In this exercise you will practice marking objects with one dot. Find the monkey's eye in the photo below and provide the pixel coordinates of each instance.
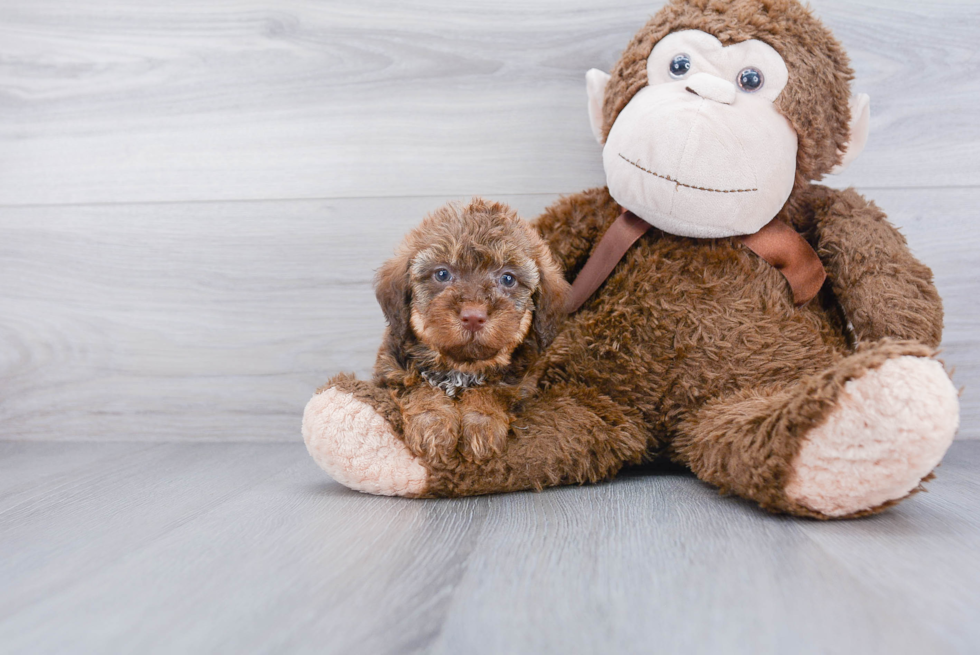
(443, 275)
(680, 66)
(750, 80)
(508, 280)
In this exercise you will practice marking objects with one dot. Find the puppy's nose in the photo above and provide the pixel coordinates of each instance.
(473, 318)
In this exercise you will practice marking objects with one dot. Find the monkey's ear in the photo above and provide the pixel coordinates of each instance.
(860, 126)
(393, 289)
(549, 298)
(595, 84)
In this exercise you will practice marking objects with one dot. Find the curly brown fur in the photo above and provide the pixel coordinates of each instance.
(472, 294)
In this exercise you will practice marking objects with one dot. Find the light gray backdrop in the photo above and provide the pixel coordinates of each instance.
(194, 196)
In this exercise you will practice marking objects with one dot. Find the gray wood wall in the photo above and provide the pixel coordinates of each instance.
(194, 195)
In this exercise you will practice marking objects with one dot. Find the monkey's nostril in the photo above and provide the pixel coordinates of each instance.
(473, 318)
(710, 87)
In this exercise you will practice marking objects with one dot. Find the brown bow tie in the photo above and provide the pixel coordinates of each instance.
(777, 243)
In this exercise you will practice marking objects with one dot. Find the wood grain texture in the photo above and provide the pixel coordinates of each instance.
(248, 548)
(216, 321)
(109, 101)
(207, 321)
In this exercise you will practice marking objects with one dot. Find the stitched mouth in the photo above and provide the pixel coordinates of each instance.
(689, 186)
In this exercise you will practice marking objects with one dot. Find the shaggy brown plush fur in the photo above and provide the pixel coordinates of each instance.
(471, 296)
(692, 349)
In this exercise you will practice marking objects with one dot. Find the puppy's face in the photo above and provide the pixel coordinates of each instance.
(479, 280)
(471, 300)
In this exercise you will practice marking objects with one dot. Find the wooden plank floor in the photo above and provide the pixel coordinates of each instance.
(248, 548)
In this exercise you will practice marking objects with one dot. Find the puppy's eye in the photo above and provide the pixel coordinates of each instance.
(508, 280)
(443, 275)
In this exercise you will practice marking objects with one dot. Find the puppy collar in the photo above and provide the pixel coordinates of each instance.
(453, 381)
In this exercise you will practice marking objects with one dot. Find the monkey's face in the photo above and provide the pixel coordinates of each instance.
(702, 150)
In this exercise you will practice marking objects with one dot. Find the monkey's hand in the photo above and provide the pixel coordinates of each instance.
(884, 290)
(352, 430)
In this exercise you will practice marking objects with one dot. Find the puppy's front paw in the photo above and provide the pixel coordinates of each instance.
(485, 423)
(484, 435)
(432, 433)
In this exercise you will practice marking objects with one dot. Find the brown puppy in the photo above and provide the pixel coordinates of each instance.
(472, 294)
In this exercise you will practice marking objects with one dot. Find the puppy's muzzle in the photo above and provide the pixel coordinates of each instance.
(473, 317)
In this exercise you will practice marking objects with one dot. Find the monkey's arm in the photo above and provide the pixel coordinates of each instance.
(573, 225)
(884, 290)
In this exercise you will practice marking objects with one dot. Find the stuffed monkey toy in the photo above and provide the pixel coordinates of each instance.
(775, 336)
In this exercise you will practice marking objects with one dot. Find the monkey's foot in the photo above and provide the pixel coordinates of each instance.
(357, 447)
(890, 429)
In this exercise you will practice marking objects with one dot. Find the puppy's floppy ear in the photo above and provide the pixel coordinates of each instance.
(550, 296)
(393, 289)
